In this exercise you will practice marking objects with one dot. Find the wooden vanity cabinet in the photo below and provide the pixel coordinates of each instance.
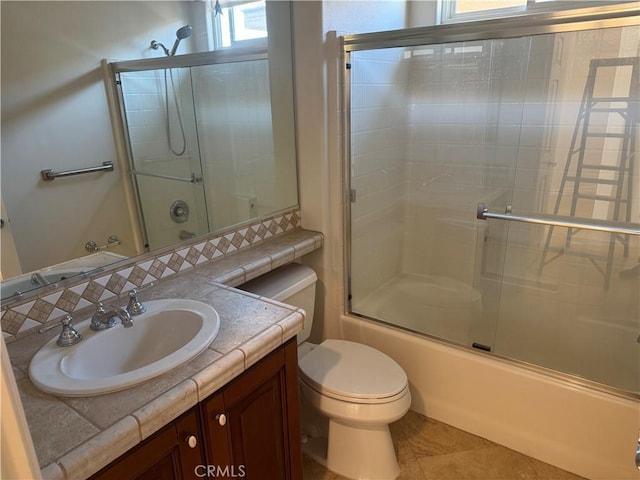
(249, 429)
(172, 453)
(252, 426)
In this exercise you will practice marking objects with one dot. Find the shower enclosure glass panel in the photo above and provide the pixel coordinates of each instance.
(436, 129)
(237, 141)
(160, 116)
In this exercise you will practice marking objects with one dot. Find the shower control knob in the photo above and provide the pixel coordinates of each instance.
(179, 211)
(222, 419)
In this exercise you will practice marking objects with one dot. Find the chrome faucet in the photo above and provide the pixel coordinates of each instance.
(123, 315)
(100, 322)
(103, 319)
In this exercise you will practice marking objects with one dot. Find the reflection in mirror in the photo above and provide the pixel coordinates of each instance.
(56, 115)
(201, 137)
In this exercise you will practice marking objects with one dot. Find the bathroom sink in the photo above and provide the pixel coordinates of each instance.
(169, 334)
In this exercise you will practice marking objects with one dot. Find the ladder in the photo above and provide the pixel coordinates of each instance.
(618, 176)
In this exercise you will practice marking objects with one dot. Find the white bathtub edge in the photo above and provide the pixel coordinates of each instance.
(584, 431)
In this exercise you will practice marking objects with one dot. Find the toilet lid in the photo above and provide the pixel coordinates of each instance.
(354, 370)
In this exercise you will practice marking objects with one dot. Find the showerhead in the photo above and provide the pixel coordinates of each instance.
(181, 34)
(184, 32)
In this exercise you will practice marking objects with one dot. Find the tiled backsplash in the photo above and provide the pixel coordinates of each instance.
(22, 317)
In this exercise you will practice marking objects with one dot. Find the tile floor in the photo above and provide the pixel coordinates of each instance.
(431, 450)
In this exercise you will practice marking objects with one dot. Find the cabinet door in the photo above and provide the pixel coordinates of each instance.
(168, 454)
(261, 440)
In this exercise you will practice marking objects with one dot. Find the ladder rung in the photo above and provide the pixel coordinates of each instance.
(606, 135)
(593, 180)
(610, 168)
(609, 110)
(604, 198)
(613, 62)
(611, 99)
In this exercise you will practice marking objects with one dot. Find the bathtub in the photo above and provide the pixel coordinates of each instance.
(438, 306)
(542, 414)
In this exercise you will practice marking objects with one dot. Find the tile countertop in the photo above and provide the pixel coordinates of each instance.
(75, 437)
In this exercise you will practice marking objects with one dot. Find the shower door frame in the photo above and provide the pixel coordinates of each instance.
(611, 16)
(114, 89)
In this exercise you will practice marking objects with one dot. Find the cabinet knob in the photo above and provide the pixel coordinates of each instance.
(191, 440)
(222, 419)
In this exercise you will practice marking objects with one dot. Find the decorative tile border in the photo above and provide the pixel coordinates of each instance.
(18, 319)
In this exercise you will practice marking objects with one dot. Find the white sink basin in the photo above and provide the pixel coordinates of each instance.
(168, 335)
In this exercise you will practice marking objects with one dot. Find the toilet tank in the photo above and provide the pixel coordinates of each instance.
(294, 284)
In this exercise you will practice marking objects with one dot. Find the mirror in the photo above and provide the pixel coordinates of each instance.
(56, 114)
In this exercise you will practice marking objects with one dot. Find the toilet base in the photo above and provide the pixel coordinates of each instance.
(316, 449)
(365, 452)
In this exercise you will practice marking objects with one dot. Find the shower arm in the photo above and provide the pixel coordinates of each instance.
(155, 45)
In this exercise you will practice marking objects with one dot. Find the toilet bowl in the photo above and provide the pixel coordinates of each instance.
(354, 389)
(361, 391)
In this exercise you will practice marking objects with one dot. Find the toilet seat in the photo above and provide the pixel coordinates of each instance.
(353, 372)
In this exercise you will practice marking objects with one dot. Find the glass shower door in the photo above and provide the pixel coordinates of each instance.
(434, 130)
(571, 296)
(519, 126)
(160, 116)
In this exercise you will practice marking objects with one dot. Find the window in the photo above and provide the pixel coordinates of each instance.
(237, 23)
(466, 6)
(466, 10)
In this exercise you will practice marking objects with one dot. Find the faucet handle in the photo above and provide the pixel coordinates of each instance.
(135, 307)
(69, 335)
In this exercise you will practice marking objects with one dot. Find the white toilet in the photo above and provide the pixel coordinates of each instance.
(358, 389)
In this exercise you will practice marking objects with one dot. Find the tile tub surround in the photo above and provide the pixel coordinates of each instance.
(75, 437)
(19, 318)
